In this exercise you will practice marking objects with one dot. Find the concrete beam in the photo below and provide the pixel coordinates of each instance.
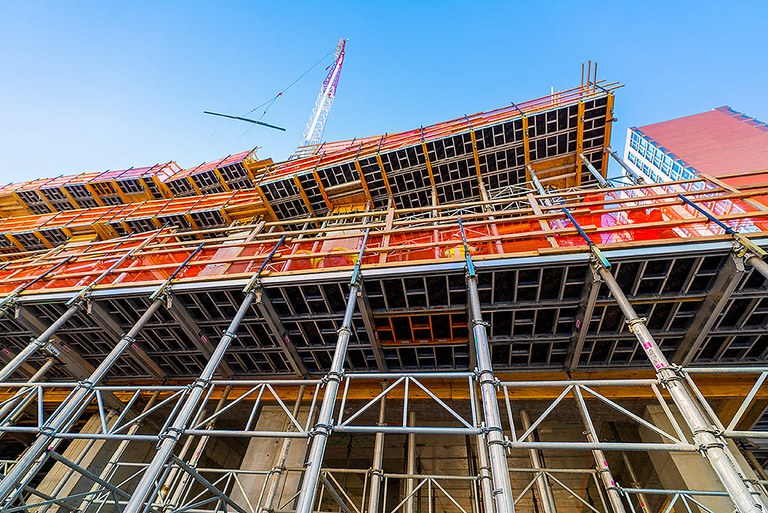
(75, 365)
(193, 331)
(726, 282)
(365, 309)
(583, 317)
(267, 311)
(104, 320)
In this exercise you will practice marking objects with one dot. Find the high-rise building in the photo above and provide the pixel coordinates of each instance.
(461, 318)
(720, 143)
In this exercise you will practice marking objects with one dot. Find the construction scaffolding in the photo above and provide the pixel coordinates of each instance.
(468, 317)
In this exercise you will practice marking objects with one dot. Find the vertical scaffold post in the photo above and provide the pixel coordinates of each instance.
(644, 508)
(708, 440)
(601, 462)
(502, 486)
(277, 472)
(62, 419)
(546, 498)
(324, 425)
(74, 305)
(484, 472)
(173, 432)
(377, 465)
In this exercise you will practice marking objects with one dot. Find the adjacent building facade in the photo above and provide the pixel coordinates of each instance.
(721, 143)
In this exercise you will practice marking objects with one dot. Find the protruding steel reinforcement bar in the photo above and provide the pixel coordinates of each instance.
(62, 419)
(324, 424)
(173, 432)
(502, 486)
(73, 306)
(710, 443)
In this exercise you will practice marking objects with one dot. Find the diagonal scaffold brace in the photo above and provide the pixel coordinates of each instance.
(709, 441)
(324, 425)
(74, 305)
(494, 436)
(173, 432)
(752, 254)
(67, 413)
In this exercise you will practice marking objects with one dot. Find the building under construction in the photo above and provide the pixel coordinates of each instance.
(467, 317)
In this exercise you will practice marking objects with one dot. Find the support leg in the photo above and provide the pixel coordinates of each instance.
(546, 498)
(377, 465)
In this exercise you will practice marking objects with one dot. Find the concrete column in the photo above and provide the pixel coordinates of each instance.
(263, 454)
(61, 481)
(682, 470)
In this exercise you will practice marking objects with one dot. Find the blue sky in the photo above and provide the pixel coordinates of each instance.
(89, 86)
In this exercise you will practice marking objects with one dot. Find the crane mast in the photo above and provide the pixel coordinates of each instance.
(313, 132)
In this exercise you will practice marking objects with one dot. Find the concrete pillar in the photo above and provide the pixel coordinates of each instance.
(682, 470)
(61, 481)
(263, 455)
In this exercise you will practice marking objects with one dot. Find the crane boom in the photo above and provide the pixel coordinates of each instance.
(313, 132)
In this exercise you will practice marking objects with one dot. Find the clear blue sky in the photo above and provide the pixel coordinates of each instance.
(89, 86)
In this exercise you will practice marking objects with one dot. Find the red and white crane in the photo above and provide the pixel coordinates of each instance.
(313, 132)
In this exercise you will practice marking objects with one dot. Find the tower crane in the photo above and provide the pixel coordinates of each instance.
(313, 132)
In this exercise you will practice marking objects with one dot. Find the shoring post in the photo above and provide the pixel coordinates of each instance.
(114, 462)
(601, 462)
(592, 169)
(709, 441)
(644, 508)
(173, 432)
(278, 470)
(324, 424)
(502, 486)
(66, 414)
(377, 465)
(631, 174)
(546, 498)
(752, 254)
(411, 469)
(484, 472)
(74, 305)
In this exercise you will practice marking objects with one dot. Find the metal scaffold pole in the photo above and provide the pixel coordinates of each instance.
(484, 472)
(708, 440)
(173, 432)
(601, 462)
(377, 465)
(60, 421)
(502, 486)
(324, 425)
(546, 498)
(74, 306)
(277, 472)
(644, 508)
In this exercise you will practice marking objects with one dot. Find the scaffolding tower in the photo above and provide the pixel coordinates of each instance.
(468, 317)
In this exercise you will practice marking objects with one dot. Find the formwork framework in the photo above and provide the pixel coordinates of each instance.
(494, 319)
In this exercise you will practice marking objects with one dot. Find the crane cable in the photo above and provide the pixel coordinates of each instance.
(269, 103)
